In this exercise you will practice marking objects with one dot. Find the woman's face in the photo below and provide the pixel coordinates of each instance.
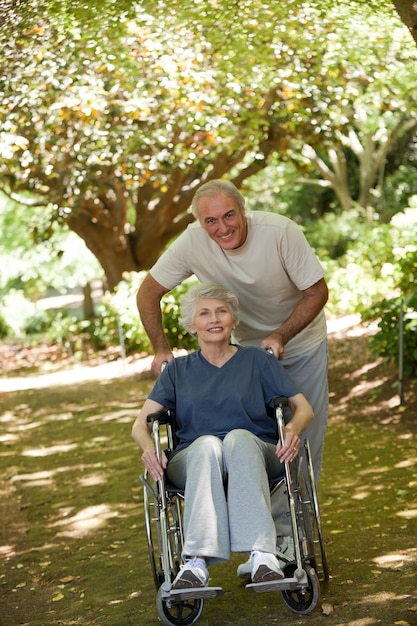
(213, 321)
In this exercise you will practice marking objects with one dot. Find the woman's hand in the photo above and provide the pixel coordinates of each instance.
(290, 449)
(150, 461)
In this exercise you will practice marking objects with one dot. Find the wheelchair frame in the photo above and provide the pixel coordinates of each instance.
(163, 506)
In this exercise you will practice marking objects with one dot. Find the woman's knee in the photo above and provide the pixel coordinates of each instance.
(205, 448)
(242, 444)
(240, 437)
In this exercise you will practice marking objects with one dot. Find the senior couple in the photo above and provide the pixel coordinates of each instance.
(219, 393)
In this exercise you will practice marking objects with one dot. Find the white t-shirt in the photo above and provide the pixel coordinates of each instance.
(267, 273)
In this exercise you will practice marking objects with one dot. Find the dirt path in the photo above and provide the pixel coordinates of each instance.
(72, 542)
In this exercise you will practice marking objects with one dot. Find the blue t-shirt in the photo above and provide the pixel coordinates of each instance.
(213, 401)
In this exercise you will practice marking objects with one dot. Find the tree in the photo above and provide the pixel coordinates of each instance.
(113, 114)
(407, 10)
(368, 119)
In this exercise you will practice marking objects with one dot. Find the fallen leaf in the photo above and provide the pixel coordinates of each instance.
(327, 608)
(67, 579)
(58, 597)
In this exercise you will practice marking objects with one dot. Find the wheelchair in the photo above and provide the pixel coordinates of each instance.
(163, 507)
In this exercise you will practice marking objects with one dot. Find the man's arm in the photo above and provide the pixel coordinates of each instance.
(149, 305)
(313, 300)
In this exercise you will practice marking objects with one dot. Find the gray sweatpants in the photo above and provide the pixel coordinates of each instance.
(309, 372)
(227, 504)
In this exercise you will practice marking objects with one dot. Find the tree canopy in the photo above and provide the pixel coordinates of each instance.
(112, 113)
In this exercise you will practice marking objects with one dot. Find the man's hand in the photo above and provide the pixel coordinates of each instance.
(274, 343)
(159, 360)
(307, 308)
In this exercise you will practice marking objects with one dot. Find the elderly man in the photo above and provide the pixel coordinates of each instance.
(265, 259)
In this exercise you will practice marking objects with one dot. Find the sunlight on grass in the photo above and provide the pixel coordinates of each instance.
(85, 521)
(396, 559)
(38, 479)
(406, 463)
(366, 621)
(408, 513)
(361, 495)
(365, 386)
(93, 479)
(7, 551)
(365, 369)
(384, 596)
(8, 438)
(38, 452)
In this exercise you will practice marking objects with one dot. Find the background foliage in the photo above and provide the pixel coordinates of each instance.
(113, 113)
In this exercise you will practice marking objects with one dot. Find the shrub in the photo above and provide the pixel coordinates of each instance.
(37, 323)
(387, 311)
(4, 327)
(176, 335)
(386, 342)
(117, 321)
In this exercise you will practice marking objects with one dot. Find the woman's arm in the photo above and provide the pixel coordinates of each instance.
(141, 433)
(302, 417)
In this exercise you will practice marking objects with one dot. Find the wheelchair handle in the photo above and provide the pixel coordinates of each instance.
(280, 402)
(163, 417)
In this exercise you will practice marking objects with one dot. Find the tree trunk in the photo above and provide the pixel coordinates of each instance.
(407, 10)
(88, 304)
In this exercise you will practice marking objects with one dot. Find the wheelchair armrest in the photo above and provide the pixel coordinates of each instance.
(280, 402)
(163, 416)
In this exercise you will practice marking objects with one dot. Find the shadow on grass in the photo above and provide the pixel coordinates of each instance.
(73, 546)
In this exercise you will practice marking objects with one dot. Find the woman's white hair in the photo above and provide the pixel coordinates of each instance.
(214, 188)
(206, 290)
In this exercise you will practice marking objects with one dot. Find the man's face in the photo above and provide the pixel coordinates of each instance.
(224, 222)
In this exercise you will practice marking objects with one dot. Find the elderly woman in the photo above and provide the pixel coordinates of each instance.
(227, 451)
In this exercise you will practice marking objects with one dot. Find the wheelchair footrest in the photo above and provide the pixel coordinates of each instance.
(194, 593)
(285, 584)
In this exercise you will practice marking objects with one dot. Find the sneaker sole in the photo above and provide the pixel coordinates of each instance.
(265, 574)
(188, 580)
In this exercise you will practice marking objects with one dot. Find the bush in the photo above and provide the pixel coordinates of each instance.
(387, 311)
(176, 335)
(333, 234)
(386, 342)
(4, 328)
(119, 315)
(37, 323)
(117, 322)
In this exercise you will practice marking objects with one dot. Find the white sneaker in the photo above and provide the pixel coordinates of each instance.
(264, 567)
(244, 570)
(191, 575)
(285, 550)
(285, 554)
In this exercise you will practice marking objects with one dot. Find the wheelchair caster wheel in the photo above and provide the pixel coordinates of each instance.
(302, 600)
(178, 612)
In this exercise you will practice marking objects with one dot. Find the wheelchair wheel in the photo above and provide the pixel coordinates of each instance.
(315, 552)
(302, 601)
(178, 613)
(172, 533)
